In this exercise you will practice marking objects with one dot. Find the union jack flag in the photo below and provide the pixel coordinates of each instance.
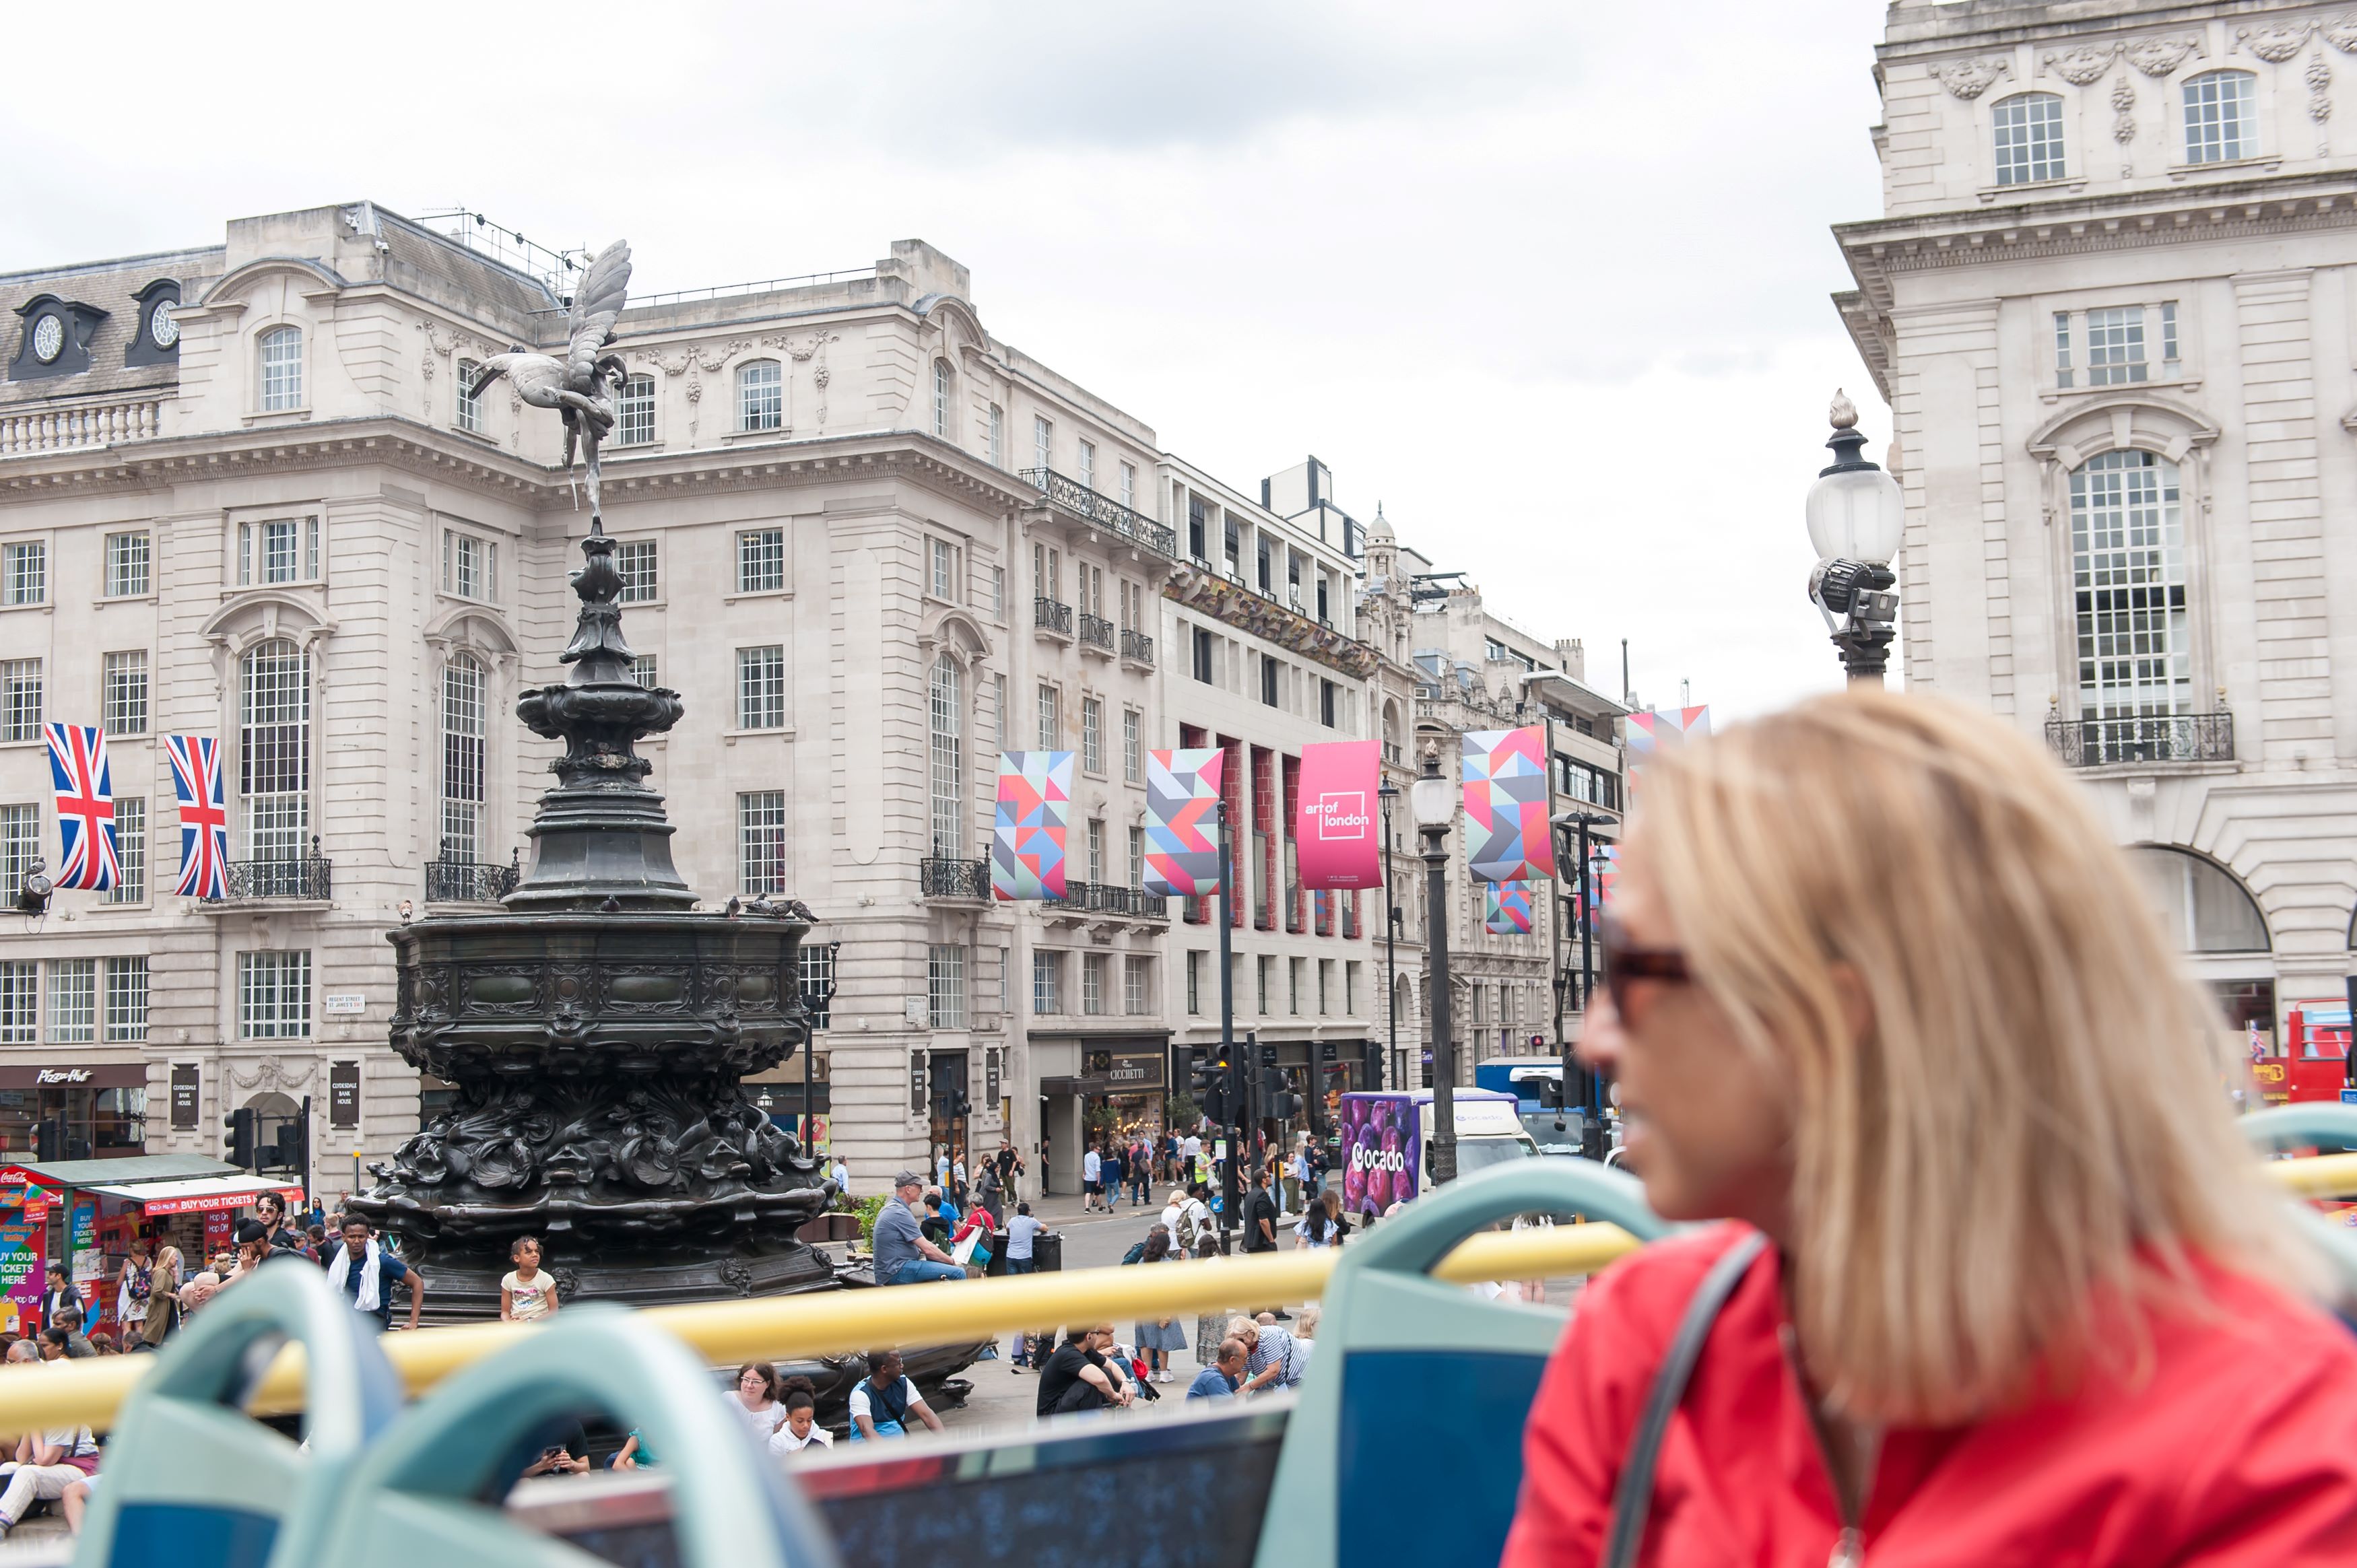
(204, 823)
(85, 807)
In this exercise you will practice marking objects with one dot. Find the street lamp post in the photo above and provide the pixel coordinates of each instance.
(1432, 801)
(1387, 794)
(1857, 518)
(1591, 1095)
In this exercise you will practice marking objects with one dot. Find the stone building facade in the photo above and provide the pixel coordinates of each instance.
(2111, 299)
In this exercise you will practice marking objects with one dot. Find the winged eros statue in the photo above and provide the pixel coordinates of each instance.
(581, 385)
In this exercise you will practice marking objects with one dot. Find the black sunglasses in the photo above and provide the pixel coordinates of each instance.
(1626, 964)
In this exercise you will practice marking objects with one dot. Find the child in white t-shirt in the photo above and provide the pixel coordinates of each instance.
(527, 1292)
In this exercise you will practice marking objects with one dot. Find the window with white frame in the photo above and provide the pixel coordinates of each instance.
(470, 414)
(2127, 549)
(761, 687)
(463, 758)
(1133, 746)
(643, 670)
(762, 841)
(635, 562)
(944, 580)
(946, 986)
(1136, 973)
(1137, 860)
(1096, 849)
(131, 846)
(997, 437)
(20, 699)
(281, 550)
(281, 348)
(998, 593)
(1046, 981)
(1093, 984)
(634, 411)
(126, 566)
(948, 759)
(761, 561)
(274, 750)
(471, 567)
(1294, 972)
(760, 396)
(2112, 346)
(2220, 117)
(20, 843)
(814, 974)
(998, 715)
(1089, 465)
(274, 995)
(20, 1002)
(1092, 735)
(123, 705)
(2115, 347)
(1129, 486)
(126, 1000)
(942, 399)
(1051, 717)
(25, 572)
(73, 1001)
(2028, 138)
(1043, 442)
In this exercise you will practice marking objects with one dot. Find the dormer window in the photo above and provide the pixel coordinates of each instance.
(2028, 138)
(156, 338)
(2222, 117)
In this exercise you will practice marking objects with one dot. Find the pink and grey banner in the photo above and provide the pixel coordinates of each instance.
(1672, 726)
(1335, 832)
(1508, 837)
(1507, 910)
(1182, 821)
(1035, 804)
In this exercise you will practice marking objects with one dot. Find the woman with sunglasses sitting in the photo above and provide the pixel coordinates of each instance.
(2000, 1281)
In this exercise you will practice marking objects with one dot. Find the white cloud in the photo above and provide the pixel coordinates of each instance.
(1548, 281)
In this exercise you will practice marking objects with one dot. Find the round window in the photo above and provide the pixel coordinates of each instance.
(49, 339)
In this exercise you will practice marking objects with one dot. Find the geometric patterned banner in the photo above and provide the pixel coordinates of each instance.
(1651, 732)
(85, 807)
(1507, 835)
(1035, 802)
(1508, 909)
(1182, 821)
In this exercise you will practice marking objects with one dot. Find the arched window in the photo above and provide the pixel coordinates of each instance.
(2222, 117)
(2127, 566)
(948, 762)
(2204, 908)
(760, 396)
(462, 758)
(274, 750)
(942, 399)
(469, 415)
(634, 424)
(282, 369)
(2028, 138)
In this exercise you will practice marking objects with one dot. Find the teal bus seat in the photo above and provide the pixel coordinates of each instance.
(429, 1494)
(1360, 1478)
(2328, 1128)
(190, 1479)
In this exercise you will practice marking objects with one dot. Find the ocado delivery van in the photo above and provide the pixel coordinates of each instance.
(1386, 1142)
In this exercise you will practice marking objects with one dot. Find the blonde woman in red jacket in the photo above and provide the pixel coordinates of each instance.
(1882, 995)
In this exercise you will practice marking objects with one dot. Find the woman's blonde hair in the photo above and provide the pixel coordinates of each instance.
(2034, 1123)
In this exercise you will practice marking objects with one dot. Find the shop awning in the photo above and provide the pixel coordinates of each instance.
(142, 1169)
(197, 1197)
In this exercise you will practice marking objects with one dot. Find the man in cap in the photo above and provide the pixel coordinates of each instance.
(903, 1256)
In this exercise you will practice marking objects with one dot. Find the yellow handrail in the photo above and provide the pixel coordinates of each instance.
(90, 1391)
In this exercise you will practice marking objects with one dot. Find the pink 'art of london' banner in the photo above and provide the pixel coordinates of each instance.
(1337, 833)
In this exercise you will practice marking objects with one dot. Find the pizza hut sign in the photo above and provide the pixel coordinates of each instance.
(62, 1075)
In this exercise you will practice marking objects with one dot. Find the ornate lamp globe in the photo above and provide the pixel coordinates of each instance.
(1856, 512)
(1432, 800)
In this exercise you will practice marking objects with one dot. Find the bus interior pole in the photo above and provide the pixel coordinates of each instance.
(1228, 1196)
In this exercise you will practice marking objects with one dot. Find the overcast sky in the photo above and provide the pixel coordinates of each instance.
(1548, 281)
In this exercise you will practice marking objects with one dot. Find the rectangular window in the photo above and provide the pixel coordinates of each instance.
(2127, 542)
(997, 437)
(126, 566)
(762, 841)
(20, 699)
(1133, 746)
(634, 421)
(274, 995)
(1135, 988)
(2168, 339)
(761, 687)
(998, 592)
(1092, 735)
(1129, 486)
(26, 574)
(1263, 971)
(286, 550)
(20, 841)
(2062, 347)
(635, 562)
(1194, 982)
(945, 985)
(1328, 699)
(2115, 346)
(131, 840)
(2028, 138)
(1137, 860)
(126, 1000)
(282, 370)
(998, 711)
(1051, 722)
(125, 702)
(642, 670)
(945, 569)
(471, 567)
(1202, 655)
(1296, 971)
(1046, 973)
(1351, 987)
(1096, 840)
(761, 561)
(1093, 984)
(761, 396)
(1043, 443)
(469, 416)
(73, 1001)
(815, 972)
(1089, 465)
(942, 399)
(2220, 117)
(1268, 677)
(20, 1002)
(1325, 982)
(1195, 526)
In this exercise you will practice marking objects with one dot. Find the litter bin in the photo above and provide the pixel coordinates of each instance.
(1048, 1253)
(997, 1264)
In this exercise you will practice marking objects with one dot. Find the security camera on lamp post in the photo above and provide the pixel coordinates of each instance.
(1856, 519)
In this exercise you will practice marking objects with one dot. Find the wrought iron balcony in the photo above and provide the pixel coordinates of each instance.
(1096, 631)
(2150, 737)
(468, 881)
(294, 877)
(1136, 645)
(1047, 614)
(1112, 898)
(943, 879)
(1084, 503)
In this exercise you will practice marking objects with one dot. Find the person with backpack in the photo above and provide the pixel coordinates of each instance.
(883, 1401)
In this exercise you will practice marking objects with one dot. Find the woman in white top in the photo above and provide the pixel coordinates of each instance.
(757, 1398)
(801, 1429)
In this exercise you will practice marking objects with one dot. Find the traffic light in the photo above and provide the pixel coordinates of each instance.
(238, 1147)
(288, 1152)
(50, 1140)
(1210, 1082)
(1239, 1086)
